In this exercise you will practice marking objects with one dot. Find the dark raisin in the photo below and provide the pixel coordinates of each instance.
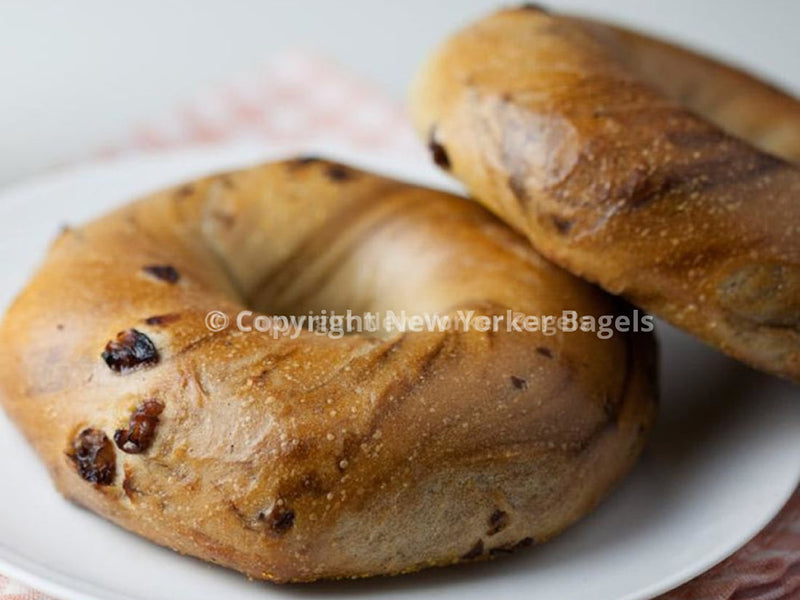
(509, 548)
(185, 190)
(338, 172)
(545, 351)
(127, 484)
(534, 6)
(519, 382)
(438, 152)
(563, 226)
(279, 519)
(302, 161)
(131, 350)
(94, 456)
(498, 521)
(227, 181)
(166, 273)
(162, 319)
(474, 552)
(523, 543)
(141, 428)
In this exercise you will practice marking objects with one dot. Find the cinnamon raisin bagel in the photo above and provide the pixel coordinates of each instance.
(661, 175)
(301, 457)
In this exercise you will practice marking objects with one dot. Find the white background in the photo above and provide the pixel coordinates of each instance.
(75, 75)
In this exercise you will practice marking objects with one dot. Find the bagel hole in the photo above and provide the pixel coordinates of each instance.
(401, 261)
(398, 277)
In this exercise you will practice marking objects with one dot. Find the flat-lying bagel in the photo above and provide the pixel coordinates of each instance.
(618, 156)
(297, 459)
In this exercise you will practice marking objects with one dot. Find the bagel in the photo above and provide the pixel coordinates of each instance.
(661, 175)
(298, 458)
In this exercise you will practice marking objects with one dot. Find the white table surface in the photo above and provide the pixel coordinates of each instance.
(77, 75)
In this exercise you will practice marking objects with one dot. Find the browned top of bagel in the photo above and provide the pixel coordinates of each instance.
(295, 459)
(662, 175)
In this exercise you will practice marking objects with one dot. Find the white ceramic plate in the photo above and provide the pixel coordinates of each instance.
(723, 460)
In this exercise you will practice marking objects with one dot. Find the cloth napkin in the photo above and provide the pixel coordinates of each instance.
(300, 100)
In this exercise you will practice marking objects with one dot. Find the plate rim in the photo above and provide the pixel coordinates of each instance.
(56, 583)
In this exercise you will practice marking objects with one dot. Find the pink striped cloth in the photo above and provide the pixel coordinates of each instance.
(300, 100)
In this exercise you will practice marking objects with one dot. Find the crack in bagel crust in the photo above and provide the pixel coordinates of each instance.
(299, 458)
(661, 175)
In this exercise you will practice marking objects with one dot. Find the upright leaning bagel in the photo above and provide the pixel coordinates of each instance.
(662, 175)
(296, 459)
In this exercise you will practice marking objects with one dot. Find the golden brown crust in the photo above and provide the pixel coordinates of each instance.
(589, 139)
(296, 459)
